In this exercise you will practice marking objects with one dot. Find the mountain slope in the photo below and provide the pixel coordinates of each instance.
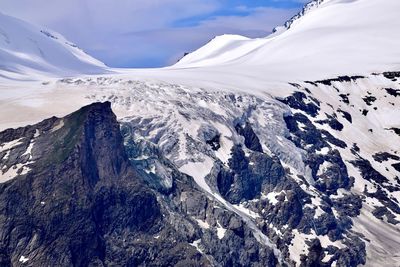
(333, 38)
(26, 51)
(71, 195)
(311, 172)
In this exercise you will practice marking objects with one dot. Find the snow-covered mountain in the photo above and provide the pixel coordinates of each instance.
(328, 38)
(278, 151)
(27, 51)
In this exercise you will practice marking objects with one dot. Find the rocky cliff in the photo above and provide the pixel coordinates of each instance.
(71, 197)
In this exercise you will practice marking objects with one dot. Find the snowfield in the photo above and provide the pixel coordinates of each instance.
(30, 53)
(334, 38)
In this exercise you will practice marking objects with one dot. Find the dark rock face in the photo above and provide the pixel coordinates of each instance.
(309, 135)
(334, 177)
(211, 136)
(250, 138)
(332, 122)
(339, 79)
(243, 181)
(395, 130)
(315, 255)
(346, 115)
(392, 75)
(80, 190)
(329, 174)
(298, 101)
(396, 166)
(368, 172)
(345, 98)
(393, 92)
(369, 100)
(384, 156)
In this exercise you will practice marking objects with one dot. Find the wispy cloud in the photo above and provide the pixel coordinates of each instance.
(148, 33)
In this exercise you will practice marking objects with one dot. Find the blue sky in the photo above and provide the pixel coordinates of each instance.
(150, 33)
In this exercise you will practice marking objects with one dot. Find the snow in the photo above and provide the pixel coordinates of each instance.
(151, 169)
(224, 152)
(29, 149)
(37, 133)
(203, 224)
(323, 167)
(327, 257)
(325, 242)
(298, 246)
(301, 126)
(220, 231)
(348, 34)
(382, 240)
(196, 244)
(58, 126)
(246, 211)
(23, 259)
(27, 51)
(339, 32)
(9, 145)
(315, 204)
(276, 230)
(19, 168)
(323, 151)
(272, 197)
(12, 172)
(199, 170)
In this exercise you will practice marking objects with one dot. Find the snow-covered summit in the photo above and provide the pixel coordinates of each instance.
(328, 38)
(305, 10)
(27, 51)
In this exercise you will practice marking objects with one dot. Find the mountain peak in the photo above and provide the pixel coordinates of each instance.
(314, 4)
(326, 39)
(29, 52)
